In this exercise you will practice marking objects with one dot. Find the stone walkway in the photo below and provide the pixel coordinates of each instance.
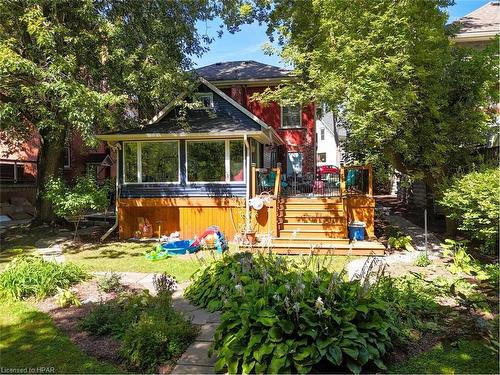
(50, 248)
(195, 359)
(355, 267)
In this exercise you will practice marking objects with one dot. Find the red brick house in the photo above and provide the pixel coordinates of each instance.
(240, 80)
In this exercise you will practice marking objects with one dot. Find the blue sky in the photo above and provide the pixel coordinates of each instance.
(246, 44)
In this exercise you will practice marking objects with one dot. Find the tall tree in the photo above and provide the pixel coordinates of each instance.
(407, 93)
(83, 66)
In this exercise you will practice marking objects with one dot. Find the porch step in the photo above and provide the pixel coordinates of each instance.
(318, 234)
(322, 226)
(295, 248)
(300, 220)
(331, 211)
(313, 200)
(313, 240)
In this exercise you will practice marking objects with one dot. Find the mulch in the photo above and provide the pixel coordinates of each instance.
(103, 348)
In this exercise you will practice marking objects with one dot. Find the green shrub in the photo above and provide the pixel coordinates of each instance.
(73, 202)
(284, 317)
(66, 298)
(28, 276)
(472, 202)
(423, 260)
(110, 283)
(401, 242)
(115, 316)
(154, 340)
(150, 330)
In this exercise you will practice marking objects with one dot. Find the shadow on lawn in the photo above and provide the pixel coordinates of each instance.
(32, 341)
(111, 251)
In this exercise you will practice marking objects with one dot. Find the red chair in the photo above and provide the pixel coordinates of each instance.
(319, 187)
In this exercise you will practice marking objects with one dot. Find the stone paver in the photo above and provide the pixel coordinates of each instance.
(197, 354)
(207, 332)
(192, 369)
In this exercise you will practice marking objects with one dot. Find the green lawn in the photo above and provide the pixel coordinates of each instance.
(129, 256)
(467, 357)
(29, 339)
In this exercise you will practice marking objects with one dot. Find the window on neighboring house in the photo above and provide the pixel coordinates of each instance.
(67, 157)
(147, 162)
(291, 116)
(322, 134)
(322, 157)
(205, 98)
(93, 170)
(215, 161)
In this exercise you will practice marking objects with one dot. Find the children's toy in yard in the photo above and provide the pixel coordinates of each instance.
(213, 237)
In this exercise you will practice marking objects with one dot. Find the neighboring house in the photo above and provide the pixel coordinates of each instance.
(328, 137)
(479, 27)
(18, 169)
(191, 168)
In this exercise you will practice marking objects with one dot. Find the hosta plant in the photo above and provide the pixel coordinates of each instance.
(290, 319)
(66, 298)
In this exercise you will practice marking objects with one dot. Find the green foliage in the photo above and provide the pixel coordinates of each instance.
(295, 319)
(150, 330)
(164, 283)
(463, 262)
(391, 73)
(463, 357)
(110, 282)
(423, 260)
(31, 276)
(401, 242)
(472, 202)
(74, 202)
(66, 298)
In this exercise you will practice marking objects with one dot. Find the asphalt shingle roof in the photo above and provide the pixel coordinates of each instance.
(482, 20)
(241, 70)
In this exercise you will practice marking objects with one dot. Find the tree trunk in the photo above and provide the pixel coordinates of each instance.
(50, 163)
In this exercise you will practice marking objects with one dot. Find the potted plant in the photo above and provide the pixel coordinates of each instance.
(248, 227)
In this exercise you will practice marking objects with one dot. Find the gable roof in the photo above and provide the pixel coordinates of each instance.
(229, 119)
(482, 22)
(248, 70)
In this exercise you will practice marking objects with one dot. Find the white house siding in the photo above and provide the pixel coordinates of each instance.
(330, 145)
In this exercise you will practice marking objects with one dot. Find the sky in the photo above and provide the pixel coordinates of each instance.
(247, 44)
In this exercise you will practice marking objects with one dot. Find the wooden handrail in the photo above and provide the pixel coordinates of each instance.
(342, 181)
(277, 181)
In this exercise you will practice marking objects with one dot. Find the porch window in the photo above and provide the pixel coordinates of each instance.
(130, 162)
(215, 161)
(206, 161)
(291, 116)
(160, 161)
(236, 160)
(149, 162)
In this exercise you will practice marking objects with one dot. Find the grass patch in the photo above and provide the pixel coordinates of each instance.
(29, 339)
(467, 357)
(129, 257)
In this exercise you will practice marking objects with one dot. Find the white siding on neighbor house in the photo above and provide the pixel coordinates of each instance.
(329, 145)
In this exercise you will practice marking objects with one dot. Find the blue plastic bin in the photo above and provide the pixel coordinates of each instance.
(357, 231)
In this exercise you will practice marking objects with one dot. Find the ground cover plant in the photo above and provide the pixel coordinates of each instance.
(31, 276)
(150, 330)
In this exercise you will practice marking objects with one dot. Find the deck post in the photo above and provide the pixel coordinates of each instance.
(277, 181)
(342, 181)
(370, 181)
(253, 179)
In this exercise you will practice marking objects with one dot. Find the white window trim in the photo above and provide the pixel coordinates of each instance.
(290, 127)
(227, 162)
(210, 95)
(139, 164)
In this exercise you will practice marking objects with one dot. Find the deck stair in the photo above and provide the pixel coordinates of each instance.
(316, 226)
